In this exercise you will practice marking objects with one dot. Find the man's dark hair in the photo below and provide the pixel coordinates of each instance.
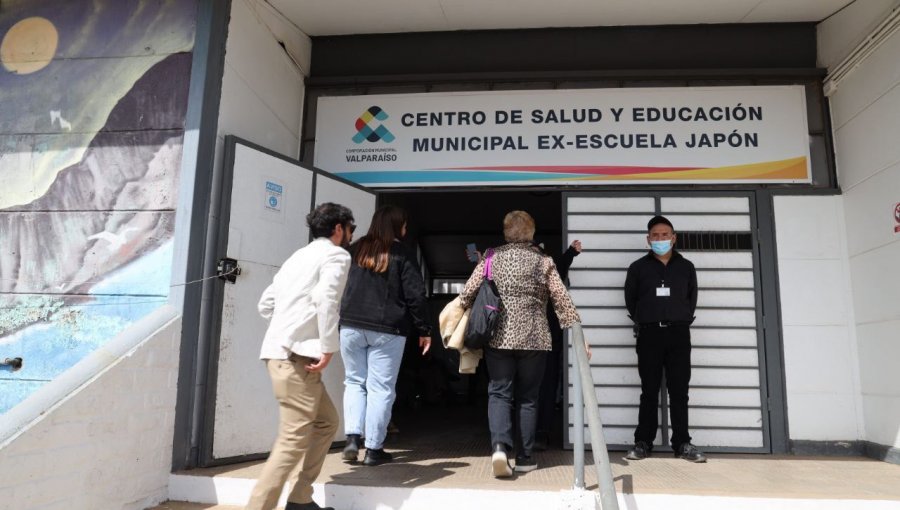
(325, 217)
(656, 220)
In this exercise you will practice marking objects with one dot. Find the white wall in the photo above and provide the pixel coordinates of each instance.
(107, 444)
(262, 102)
(817, 312)
(842, 32)
(262, 88)
(866, 123)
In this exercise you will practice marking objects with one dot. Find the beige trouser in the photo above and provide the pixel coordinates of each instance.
(308, 422)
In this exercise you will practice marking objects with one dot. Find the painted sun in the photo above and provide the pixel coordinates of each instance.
(29, 45)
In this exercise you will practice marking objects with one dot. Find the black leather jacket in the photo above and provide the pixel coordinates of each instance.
(390, 302)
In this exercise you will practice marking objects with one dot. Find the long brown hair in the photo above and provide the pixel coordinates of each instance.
(374, 250)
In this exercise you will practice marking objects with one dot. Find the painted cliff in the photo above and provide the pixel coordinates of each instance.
(93, 96)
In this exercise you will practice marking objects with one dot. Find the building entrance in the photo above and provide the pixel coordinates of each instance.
(717, 231)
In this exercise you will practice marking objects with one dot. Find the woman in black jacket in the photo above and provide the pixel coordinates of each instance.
(383, 302)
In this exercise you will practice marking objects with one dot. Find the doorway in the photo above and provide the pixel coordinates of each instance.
(434, 401)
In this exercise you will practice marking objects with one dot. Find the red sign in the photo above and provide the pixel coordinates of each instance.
(897, 219)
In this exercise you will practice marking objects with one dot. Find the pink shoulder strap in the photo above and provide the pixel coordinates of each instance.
(488, 263)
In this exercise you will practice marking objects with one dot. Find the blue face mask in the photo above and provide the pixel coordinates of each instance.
(661, 247)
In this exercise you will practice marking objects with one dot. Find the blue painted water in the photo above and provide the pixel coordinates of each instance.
(50, 348)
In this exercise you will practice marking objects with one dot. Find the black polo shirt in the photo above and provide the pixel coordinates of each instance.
(647, 274)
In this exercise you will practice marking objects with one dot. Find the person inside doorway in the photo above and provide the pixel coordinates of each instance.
(302, 306)
(384, 301)
(515, 356)
(661, 297)
(551, 381)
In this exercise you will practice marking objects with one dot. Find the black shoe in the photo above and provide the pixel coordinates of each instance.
(377, 457)
(306, 506)
(500, 462)
(525, 464)
(690, 453)
(641, 450)
(351, 451)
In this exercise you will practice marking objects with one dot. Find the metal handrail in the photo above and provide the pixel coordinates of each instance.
(586, 398)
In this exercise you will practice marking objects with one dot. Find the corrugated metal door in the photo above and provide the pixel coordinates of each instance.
(718, 234)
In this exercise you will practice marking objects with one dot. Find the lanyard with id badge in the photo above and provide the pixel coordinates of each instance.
(663, 291)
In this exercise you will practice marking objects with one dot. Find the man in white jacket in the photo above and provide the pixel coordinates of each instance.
(302, 305)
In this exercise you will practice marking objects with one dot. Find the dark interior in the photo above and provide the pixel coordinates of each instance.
(441, 224)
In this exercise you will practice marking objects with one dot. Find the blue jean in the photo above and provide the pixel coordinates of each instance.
(371, 365)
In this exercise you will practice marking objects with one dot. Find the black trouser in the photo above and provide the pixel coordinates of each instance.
(550, 383)
(515, 376)
(669, 349)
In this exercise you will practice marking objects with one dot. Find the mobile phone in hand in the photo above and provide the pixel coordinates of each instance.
(472, 252)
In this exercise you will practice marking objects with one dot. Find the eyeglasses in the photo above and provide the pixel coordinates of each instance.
(351, 227)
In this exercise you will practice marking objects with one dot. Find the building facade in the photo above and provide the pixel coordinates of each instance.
(122, 124)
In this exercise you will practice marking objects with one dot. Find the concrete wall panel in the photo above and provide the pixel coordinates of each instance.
(866, 109)
(816, 312)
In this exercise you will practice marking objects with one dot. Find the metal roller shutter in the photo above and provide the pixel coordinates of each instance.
(717, 233)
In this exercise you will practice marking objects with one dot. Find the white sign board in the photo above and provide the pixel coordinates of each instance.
(572, 137)
(274, 192)
(273, 199)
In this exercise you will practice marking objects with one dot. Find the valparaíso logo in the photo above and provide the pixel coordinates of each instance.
(365, 132)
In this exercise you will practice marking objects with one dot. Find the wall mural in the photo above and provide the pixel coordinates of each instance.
(93, 95)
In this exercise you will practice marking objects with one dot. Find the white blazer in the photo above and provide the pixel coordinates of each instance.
(303, 302)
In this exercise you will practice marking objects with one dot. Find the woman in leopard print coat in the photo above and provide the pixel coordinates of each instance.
(525, 278)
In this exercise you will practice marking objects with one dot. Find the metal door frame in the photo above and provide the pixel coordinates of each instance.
(768, 329)
(217, 295)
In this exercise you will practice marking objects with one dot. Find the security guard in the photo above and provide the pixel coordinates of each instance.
(661, 296)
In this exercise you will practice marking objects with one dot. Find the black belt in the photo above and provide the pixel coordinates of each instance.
(662, 324)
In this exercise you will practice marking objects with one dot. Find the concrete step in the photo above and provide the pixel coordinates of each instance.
(450, 470)
(181, 505)
(733, 482)
(364, 498)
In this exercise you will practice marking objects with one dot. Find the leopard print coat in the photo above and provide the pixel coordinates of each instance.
(525, 278)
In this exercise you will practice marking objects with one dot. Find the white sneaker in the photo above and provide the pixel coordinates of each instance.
(500, 464)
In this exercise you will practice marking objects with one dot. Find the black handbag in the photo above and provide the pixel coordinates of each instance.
(485, 315)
